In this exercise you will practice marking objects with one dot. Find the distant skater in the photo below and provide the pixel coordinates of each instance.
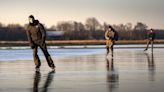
(36, 36)
(151, 37)
(111, 36)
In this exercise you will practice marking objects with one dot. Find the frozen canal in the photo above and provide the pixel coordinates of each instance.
(83, 70)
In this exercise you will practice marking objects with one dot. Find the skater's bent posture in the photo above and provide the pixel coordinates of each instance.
(151, 37)
(111, 36)
(36, 36)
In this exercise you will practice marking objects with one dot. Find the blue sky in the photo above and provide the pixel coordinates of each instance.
(50, 12)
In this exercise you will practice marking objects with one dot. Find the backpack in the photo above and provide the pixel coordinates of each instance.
(116, 36)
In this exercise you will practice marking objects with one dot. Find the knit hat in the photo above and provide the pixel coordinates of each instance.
(31, 16)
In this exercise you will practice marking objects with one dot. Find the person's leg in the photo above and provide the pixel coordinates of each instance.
(36, 57)
(48, 57)
(152, 42)
(112, 45)
(147, 46)
(107, 46)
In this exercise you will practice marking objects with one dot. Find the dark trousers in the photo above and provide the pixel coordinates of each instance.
(46, 54)
(148, 42)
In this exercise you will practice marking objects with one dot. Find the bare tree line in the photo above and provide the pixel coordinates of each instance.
(92, 29)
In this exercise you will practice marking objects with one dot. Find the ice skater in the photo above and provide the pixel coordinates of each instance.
(36, 36)
(151, 37)
(111, 36)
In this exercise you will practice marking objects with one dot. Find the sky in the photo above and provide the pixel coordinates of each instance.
(50, 12)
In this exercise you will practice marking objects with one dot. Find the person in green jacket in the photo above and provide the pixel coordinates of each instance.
(36, 36)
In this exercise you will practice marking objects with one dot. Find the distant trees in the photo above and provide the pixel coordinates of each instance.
(140, 31)
(140, 26)
(73, 30)
(1, 25)
(127, 32)
(12, 32)
(92, 24)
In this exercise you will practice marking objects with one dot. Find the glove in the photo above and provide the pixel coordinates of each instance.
(32, 46)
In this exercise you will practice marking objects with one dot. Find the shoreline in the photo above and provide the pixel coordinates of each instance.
(77, 42)
(128, 46)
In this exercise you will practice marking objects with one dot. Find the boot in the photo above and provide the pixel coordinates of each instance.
(145, 49)
(51, 64)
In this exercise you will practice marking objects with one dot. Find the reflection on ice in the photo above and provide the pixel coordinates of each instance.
(112, 75)
(151, 66)
(37, 79)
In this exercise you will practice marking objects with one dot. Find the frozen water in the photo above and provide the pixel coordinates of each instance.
(83, 70)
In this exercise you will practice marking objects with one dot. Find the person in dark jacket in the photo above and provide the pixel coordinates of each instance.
(111, 36)
(36, 36)
(151, 37)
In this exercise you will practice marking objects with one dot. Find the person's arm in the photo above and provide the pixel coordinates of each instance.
(113, 37)
(154, 36)
(43, 31)
(116, 36)
(106, 35)
(29, 38)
